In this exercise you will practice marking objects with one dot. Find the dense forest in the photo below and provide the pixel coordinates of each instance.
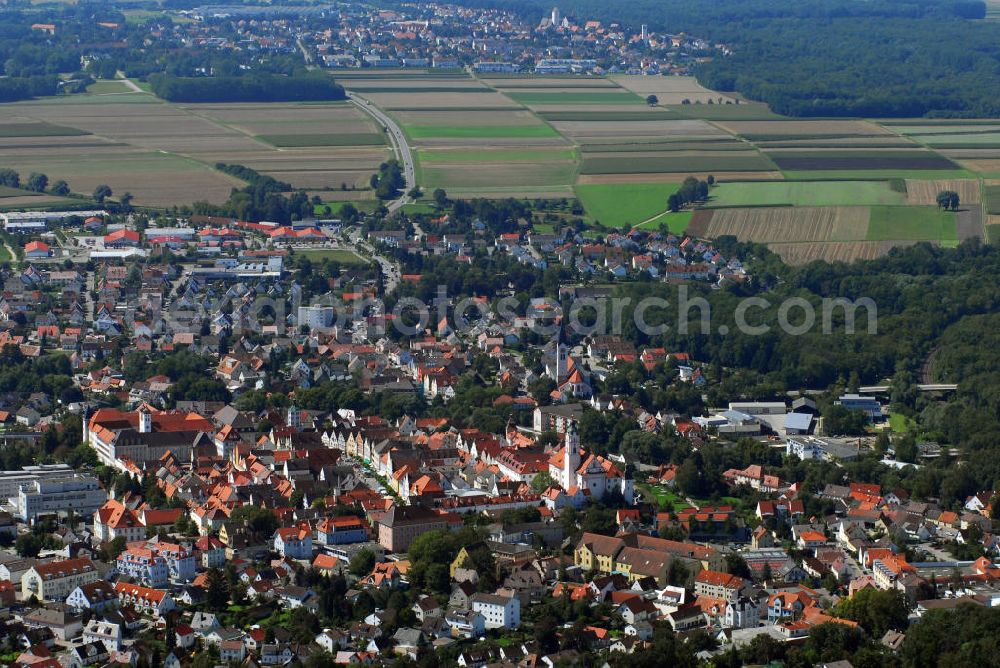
(256, 87)
(839, 58)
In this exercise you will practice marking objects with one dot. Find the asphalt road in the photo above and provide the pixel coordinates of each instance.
(399, 145)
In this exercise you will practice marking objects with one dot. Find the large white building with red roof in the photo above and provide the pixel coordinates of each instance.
(574, 469)
(144, 436)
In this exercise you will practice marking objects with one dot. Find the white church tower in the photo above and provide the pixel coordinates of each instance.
(145, 420)
(571, 457)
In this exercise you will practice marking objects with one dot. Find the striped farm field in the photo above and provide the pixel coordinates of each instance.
(613, 96)
(37, 129)
(480, 131)
(494, 155)
(926, 192)
(834, 251)
(325, 139)
(798, 128)
(728, 161)
(726, 112)
(786, 224)
(991, 197)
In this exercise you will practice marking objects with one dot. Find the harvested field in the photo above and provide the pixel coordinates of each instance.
(650, 128)
(495, 155)
(991, 197)
(984, 166)
(818, 128)
(746, 111)
(304, 140)
(926, 192)
(911, 161)
(466, 118)
(728, 161)
(720, 177)
(154, 178)
(969, 223)
(324, 178)
(628, 145)
(970, 153)
(414, 84)
(834, 251)
(887, 141)
(484, 175)
(27, 201)
(700, 221)
(596, 97)
(480, 131)
(546, 81)
(452, 101)
(944, 129)
(770, 225)
(669, 90)
(14, 128)
(648, 114)
(556, 141)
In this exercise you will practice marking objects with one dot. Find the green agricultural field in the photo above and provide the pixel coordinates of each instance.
(971, 140)
(993, 234)
(41, 129)
(911, 223)
(364, 206)
(340, 256)
(677, 222)
(900, 424)
(326, 139)
(615, 97)
(481, 131)
(6, 191)
(617, 204)
(419, 208)
(991, 198)
(497, 155)
(805, 193)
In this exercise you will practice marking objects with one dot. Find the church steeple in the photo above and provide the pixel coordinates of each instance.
(571, 456)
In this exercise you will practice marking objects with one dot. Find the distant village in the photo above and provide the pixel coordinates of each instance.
(442, 36)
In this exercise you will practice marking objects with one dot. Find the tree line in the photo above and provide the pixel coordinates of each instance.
(253, 87)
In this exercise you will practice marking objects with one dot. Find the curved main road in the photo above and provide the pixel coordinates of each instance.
(399, 145)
